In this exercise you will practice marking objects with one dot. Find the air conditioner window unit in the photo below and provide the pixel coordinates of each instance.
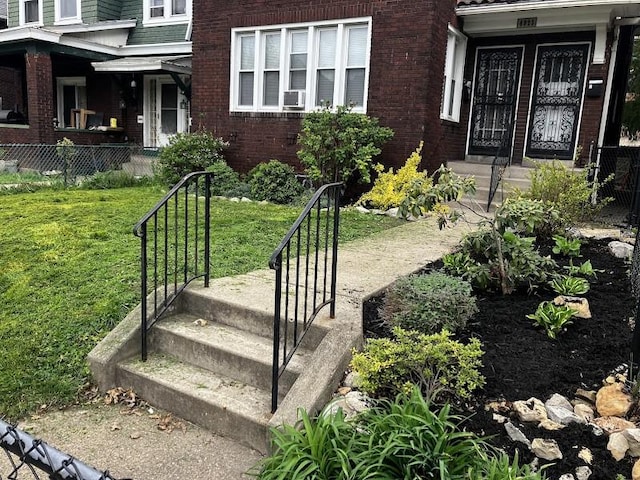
(294, 99)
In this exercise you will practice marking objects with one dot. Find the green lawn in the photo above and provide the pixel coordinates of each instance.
(69, 273)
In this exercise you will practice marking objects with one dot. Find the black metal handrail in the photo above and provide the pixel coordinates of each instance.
(175, 236)
(26, 453)
(311, 252)
(500, 163)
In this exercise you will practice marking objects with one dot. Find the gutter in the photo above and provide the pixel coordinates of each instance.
(470, 10)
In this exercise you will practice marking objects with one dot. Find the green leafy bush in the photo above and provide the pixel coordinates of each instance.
(527, 216)
(275, 182)
(552, 318)
(569, 191)
(566, 285)
(443, 368)
(428, 303)
(114, 179)
(189, 152)
(585, 269)
(569, 247)
(335, 145)
(391, 188)
(402, 439)
(225, 179)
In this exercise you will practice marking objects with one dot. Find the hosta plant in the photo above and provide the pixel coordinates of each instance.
(585, 269)
(566, 285)
(552, 318)
(569, 247)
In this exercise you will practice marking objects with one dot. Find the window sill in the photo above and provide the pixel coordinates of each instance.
(160, 22)
(90, 130)
(14, 125)
(240, 114)
(68, 21)
(450, 122)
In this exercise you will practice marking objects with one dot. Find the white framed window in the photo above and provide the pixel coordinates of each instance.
(71, 95)
(453, 75)
(67, 11)
(30, 12)
(300, 67)
(166, 11)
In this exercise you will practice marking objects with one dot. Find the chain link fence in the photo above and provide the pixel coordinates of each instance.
(29, 458)
(69, 163)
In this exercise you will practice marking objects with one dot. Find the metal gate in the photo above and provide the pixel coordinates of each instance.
(496, 89)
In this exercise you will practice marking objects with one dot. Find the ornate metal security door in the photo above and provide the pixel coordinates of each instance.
(494, 102)
(557, 98)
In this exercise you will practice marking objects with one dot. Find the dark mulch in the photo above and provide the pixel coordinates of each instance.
(520, 361)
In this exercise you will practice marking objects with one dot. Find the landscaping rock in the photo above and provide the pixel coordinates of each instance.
(612, 424)
(584, 412)
(635, 472)
(246, 200)
(357, 401)
(562, 415)
(567, 476)
(557, 400)
(578, 304)
(586, 455)
(620, 249)
(351, 380)
(499, 418)
(633, 439)
(583, 473)
(550, 425)
(516, 434)
(362, 209)
(589, 395)
(546, 449)
(338, 403)
(343, 390)
(612, 401)
(618, 445)
(531, 410)
(392, 212)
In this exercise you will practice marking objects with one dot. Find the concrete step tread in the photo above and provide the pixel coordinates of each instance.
(229, 339)
(215, 389)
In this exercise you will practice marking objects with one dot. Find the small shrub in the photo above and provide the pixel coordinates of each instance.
(225, 179)
(428, 303)
(390, 188)
(114, 179)
(552, 318)
(444, 369)
(189, 152)
(275, 182)
(336, 145)
(569, 191)
(527, 216)
(571, 286)
(566, 246)
(585, 269)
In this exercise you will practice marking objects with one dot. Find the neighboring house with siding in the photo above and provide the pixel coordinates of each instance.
(458, 75)
(67, 64)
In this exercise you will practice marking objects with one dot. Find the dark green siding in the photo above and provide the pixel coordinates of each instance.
(12, 13)
(109, 9)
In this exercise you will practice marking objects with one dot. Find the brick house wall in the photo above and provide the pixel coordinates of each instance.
(405, 82)
(591, 109)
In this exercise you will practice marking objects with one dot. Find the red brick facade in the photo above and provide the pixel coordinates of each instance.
(405, 82)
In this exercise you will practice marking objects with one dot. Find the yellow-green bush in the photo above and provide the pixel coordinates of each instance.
(390, 188)
(444, 369)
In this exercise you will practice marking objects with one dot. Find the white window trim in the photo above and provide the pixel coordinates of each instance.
(312, 63)
(167, 18)
(454, 68)
(21, 16)
(59, 20)
(62, 82)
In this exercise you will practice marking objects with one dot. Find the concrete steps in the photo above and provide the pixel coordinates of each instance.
(209, 362)
(515, 176)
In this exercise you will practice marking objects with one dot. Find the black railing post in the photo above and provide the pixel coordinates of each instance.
(334, 260)
(207, 229)
(275, 369)
(143, 298)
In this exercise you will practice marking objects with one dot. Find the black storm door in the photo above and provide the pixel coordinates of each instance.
(556, 102)
(494, 101)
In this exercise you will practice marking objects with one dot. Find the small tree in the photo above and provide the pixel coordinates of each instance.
(66, 150)
(338, 144)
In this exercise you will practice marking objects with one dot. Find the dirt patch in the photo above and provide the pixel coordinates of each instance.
(522, 362)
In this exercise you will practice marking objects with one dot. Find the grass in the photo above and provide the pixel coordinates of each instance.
(69, 274)
(23, 177)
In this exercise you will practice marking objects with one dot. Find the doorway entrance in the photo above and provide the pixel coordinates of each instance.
(166, 110)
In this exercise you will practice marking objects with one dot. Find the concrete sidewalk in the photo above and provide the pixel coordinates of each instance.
(132, 446)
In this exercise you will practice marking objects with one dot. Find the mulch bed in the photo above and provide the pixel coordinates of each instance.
(520, 361)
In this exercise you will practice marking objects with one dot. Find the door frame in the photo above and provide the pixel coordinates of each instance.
(534, 84)
(517, 96)
(151, 138)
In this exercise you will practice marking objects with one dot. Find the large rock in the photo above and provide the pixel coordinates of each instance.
(547, 449)
(560, 410)
(612, 424)
(516, 434)
(531, 410)
(579, 305)
(635, 473)
(583, 473)
(557, 400)
(621, 249)
(618, 445)
(585, 412)
(633, 439)
(612, 401)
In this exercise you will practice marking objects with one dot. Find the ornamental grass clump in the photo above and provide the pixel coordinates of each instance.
(428, 303)
(444, 369)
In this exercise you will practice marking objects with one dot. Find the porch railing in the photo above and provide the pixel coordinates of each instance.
(305, 265)
(27, 455)
(500, 163)
(174, 247)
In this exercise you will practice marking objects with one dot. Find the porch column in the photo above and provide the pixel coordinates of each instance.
(39, 96)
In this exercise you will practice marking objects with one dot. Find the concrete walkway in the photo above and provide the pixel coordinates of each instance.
(132, 446)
